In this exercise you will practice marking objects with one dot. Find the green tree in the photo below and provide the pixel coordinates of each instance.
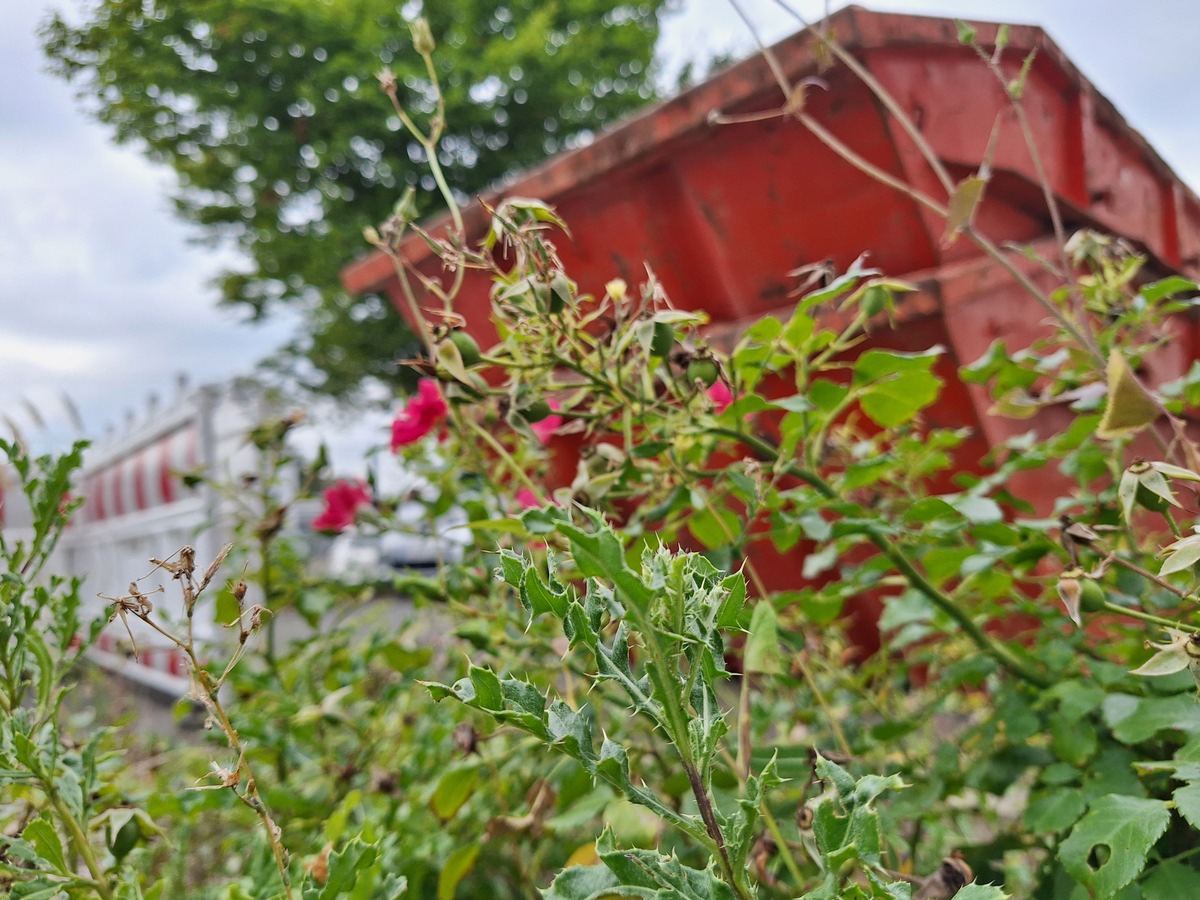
(269, 112)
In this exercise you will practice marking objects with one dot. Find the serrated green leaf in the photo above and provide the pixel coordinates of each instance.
(1171, 881)
(541, 598)
(1166, 287)
(1187, 803)
(929, 509)
(488, 693)
(826, 395)
(665, 876)
(599, 554)
(893, 387)
(1135, 719)
(734, 600)
(524, 698)
(581, 883)
(1127, 827)
(512, 567)
(714, 529)
(344, 866)
(977, 510)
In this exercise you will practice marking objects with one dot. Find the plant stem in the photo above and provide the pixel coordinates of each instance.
(1149, 618)
(505, 457)
(708, 816)
(900, 560)
(1149, 576)
(869, 168)
(893, 107)
(1077, 334)
(785, 849)
(79, 839)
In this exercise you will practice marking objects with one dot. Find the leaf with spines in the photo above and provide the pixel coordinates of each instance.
(646, 874)
(981, 892)
(744, 823)
(846, 827)
(599, 554)
(568, 730)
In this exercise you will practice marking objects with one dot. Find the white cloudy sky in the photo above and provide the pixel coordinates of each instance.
(103, 296)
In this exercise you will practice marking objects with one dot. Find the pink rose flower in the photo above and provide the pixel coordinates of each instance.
(341, 506)
(721, 396)
(420, 415)
(526, 499)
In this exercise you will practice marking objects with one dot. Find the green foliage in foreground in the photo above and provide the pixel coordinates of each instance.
(642, 721)
(642, 679)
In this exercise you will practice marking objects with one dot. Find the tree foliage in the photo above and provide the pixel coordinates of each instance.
(270, 115)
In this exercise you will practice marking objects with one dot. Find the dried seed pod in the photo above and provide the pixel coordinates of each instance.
(1070, 589)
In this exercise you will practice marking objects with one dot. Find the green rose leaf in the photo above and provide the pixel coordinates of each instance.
(1119, 830)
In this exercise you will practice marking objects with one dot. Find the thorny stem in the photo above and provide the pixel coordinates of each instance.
(207, 693)
(1172, 524)
(250, 797)
(931, 158)
(869, 168)
(708, 816)
(772, 62)
(743, 731)
(675, 723)
(900, 560)
(893, 107)
(1079, 335)
(1018, 108)
(410, 300)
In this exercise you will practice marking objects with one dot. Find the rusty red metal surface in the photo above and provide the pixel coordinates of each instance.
(722, 213)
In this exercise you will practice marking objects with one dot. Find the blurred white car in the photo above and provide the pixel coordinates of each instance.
(415, 544)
